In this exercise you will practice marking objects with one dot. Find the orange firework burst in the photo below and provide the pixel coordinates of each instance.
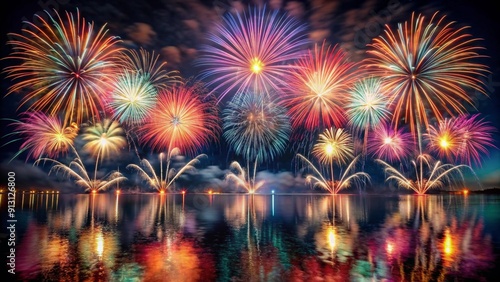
(318, 88)
(444, 139)
(181, 119)
(427, 68)
(44, 135)
(65, 67)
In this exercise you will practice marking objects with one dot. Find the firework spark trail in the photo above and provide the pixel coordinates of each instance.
(76, 169)
(132, 98)
(465, 138)
(334, 186)
(66, 66)
(167, 178)
(436, 176)
(367, 107)
(243, 179)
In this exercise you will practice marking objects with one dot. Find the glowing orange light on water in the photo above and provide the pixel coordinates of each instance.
(99, 245)
(389, 248)
(448, 248)
(465, 191)
(332, 237)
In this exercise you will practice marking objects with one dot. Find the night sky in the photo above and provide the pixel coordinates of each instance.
(176, 30)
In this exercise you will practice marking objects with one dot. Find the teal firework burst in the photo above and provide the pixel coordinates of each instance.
(133, 97)
(367, 105)
(255, 126)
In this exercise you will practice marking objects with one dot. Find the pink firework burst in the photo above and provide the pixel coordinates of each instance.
(44, 135)
(389, 144)
(252, 51)
(476, 136)
(464, 139)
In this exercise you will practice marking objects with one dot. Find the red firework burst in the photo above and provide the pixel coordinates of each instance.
(181, 119)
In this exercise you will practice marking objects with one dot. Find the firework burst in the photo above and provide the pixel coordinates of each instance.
(255, 126)
(464, 138)
(149, 65)
(477, 136)
(252, 51)
(316, 92)
(181, 119)
(389, 144)
(367, 106)
(257, 129)
(334, 145)
(428, 68)
(104, 138)
(132, 98)
(101, 139)
(444, 139)
(43, 135)
(66, 66)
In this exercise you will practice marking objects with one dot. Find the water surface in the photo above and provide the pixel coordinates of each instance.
(219, 237)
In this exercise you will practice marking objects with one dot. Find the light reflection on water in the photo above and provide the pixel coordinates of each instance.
(199, 237)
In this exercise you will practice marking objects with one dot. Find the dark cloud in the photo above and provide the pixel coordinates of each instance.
(32, 177)
(141, 33)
